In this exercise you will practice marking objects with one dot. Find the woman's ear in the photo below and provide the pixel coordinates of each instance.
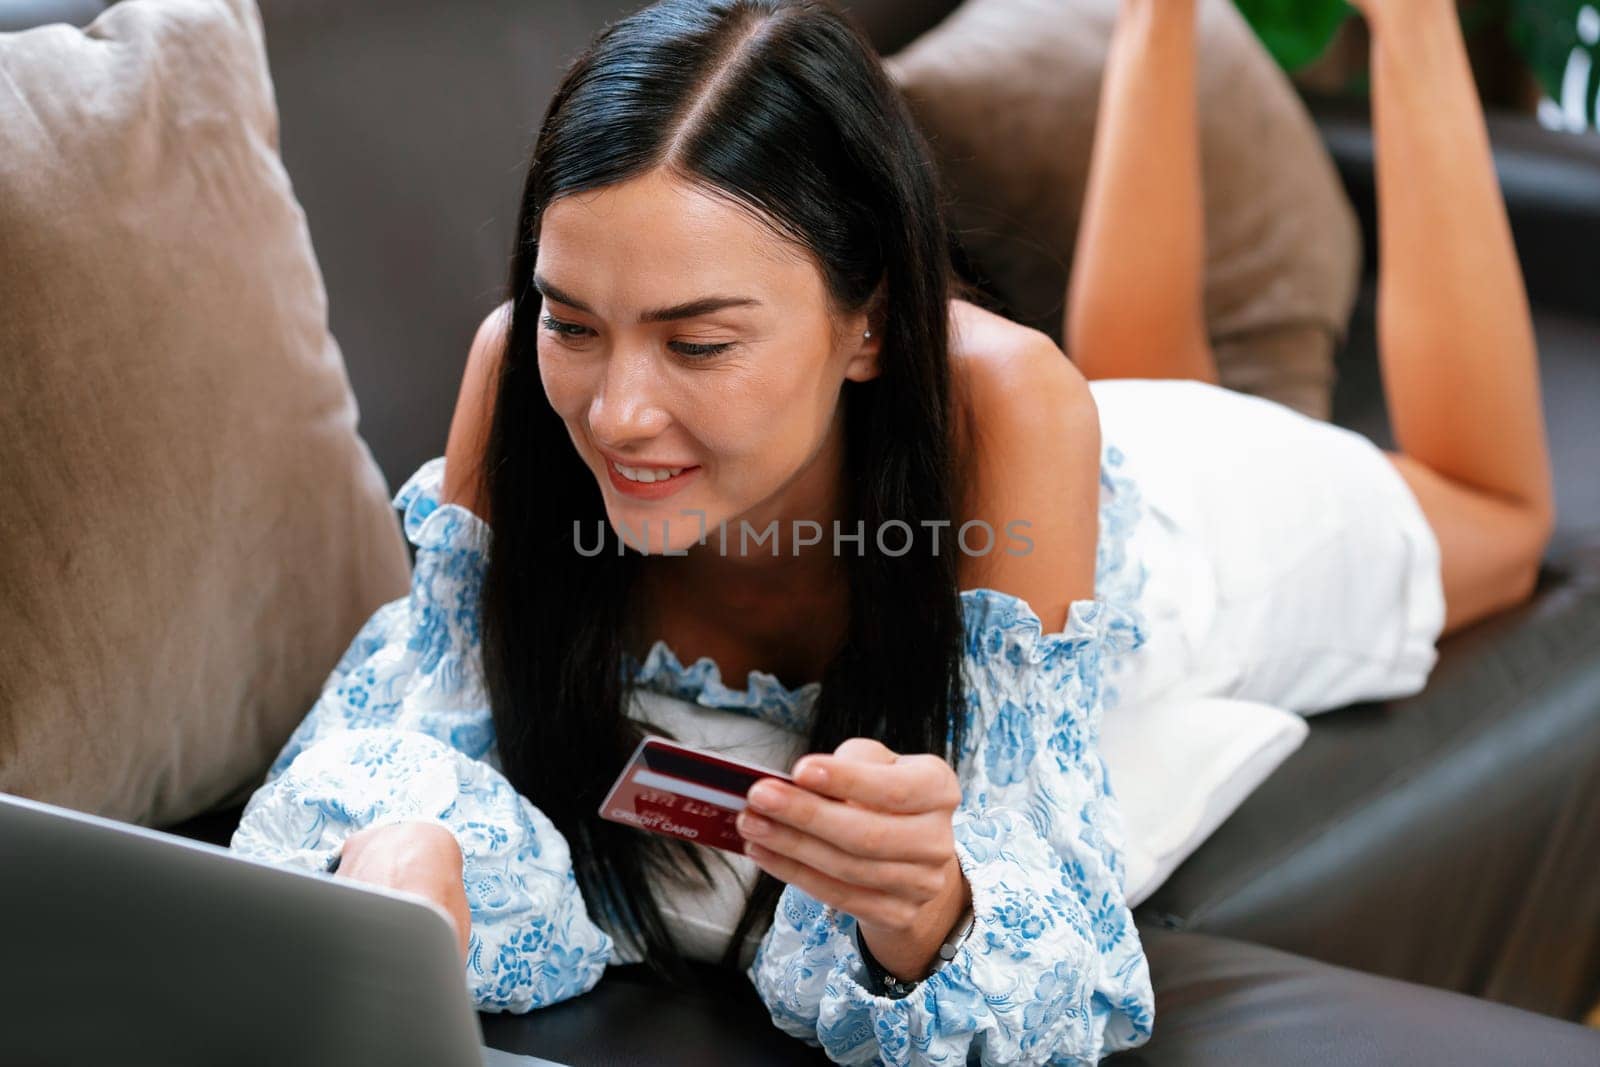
(863, 364)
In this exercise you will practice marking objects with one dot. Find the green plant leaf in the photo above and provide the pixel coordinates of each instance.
(1295, 32)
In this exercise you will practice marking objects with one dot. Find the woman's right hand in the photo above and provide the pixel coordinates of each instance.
(416, 857)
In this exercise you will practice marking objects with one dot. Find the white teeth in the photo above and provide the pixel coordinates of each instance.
(647, 474)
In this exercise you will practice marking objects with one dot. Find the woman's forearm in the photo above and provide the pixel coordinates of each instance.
(1135, 304)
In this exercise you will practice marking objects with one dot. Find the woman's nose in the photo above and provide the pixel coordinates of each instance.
(627, 405)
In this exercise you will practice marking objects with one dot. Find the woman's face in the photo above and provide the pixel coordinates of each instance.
(741, 392)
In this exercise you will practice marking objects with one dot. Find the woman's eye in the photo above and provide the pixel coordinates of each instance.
(564, 329)
(689, 350)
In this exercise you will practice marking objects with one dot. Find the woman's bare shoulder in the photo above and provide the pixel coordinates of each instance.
(1008, 374)
(469, 426)
(1028, 434)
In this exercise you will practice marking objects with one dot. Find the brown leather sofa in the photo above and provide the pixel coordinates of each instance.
(1446, 842)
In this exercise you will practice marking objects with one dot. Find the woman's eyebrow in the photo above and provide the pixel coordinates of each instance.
(703, 306)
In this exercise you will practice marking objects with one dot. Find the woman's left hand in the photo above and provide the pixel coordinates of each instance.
(869, 834)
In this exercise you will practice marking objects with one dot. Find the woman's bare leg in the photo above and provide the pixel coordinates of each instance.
(1135, 303)
(1456, 343)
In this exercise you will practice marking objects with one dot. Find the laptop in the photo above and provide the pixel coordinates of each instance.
(125, 945)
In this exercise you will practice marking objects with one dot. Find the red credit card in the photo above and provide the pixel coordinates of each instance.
(682, 792)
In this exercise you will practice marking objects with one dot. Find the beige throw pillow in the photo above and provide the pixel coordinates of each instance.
(192, 529)
(1007, 92)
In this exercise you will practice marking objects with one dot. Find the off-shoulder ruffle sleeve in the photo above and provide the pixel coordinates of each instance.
(402, 731)
(1053, 971)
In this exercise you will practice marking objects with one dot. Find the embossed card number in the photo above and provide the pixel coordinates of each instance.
(682, 792)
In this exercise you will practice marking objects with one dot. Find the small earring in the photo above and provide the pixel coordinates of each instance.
(866, 334)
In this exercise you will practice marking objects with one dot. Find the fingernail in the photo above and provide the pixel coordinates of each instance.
(766, 797)
(812, 773)
(753, 825)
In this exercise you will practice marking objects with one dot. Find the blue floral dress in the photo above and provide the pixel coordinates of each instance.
(1053, 971)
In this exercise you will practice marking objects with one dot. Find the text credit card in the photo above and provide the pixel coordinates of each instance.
(682, 792)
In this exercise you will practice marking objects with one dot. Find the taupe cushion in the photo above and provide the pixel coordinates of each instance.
(192, 531)
(1007, 92)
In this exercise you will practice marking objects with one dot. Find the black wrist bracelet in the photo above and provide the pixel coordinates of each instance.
(882, 982)
(887, 985)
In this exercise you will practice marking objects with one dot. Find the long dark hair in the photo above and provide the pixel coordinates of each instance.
(783, 107)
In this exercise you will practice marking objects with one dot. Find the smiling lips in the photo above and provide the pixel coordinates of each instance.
(648, 483)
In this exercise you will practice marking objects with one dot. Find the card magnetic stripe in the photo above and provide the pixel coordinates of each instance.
(652, 780)
(705, 771)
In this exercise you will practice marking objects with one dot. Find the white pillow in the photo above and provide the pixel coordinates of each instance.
(1180, 767)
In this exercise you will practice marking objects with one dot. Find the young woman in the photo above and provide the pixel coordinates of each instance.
(734, 416)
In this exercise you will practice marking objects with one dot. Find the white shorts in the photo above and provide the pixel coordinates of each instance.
(1286, 560)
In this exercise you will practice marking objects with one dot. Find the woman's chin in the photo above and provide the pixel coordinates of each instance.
(657, 533)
